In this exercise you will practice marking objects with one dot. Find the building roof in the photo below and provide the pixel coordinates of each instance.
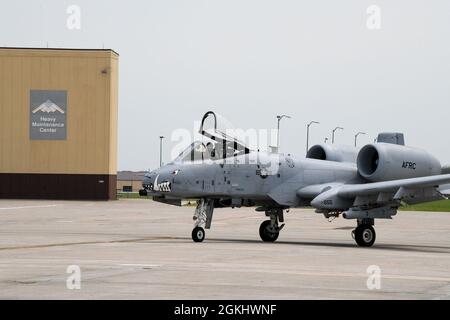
(59, 49)
(130, 175)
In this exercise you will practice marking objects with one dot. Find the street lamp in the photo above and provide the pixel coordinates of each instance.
(307, 134)
(356, 136)
(326, 140)
(278, 130)
(337, 128)
(160, 150)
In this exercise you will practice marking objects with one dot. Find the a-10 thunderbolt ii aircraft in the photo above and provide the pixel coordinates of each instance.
(335, 180)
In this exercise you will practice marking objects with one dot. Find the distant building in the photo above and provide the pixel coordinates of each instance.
(129, 181)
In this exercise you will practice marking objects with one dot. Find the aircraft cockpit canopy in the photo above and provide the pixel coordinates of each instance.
(219, 143)
(196, 151)
(217, 128)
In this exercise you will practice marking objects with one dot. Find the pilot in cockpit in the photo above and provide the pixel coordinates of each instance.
(210, 151)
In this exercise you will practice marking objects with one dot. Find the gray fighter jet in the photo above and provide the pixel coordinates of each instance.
(363, 185)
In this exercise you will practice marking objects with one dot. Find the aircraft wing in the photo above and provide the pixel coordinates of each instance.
(351, 191)
(374, 195)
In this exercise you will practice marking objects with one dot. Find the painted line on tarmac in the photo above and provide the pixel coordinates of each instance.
(65, 244)
(139, 265)
(28, 207)
(383, 276)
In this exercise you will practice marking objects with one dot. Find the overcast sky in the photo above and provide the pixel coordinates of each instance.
(253, 59)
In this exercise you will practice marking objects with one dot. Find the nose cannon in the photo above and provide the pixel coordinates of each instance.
(143, 193)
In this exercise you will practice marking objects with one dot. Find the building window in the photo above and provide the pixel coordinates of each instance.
(127, 189)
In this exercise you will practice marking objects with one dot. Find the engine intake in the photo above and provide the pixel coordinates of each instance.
(332, 153)
(385, 161)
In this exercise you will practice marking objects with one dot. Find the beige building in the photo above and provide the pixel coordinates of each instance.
(58, 123)
(129, 181)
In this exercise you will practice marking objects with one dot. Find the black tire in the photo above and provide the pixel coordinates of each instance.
(365, 235)
(198, 234)
(265, 233)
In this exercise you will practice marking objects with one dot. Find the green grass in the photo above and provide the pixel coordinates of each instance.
(436, 206)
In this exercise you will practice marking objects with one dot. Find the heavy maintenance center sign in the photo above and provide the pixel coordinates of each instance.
(48, 115)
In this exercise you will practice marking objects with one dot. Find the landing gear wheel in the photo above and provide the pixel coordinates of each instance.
(267, 233)
(198, 234)
(365, 235)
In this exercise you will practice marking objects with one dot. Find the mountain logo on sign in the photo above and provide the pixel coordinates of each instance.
(48, 107)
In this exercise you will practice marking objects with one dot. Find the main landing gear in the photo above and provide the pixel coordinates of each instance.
(364, 234)
(270, 229)
(203, 218)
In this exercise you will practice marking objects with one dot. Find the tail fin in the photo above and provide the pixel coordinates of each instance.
(392, 137)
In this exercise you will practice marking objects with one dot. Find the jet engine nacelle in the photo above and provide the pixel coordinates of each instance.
(385, 161)
(333, 153)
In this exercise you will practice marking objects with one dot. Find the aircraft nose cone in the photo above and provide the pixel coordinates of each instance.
(162, 182)
(149, 180)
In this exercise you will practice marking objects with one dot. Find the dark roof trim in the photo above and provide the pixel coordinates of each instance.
(61, 49)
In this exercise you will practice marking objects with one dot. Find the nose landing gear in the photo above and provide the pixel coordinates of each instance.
(267, 232)
(203, 218)
(198, 234)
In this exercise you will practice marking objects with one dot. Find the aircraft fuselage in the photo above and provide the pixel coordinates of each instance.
(254, 176)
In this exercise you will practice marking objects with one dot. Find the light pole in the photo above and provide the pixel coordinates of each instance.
(278, 130)
(160, 150)
(337, 128)
(356, 136)
(307, 134)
